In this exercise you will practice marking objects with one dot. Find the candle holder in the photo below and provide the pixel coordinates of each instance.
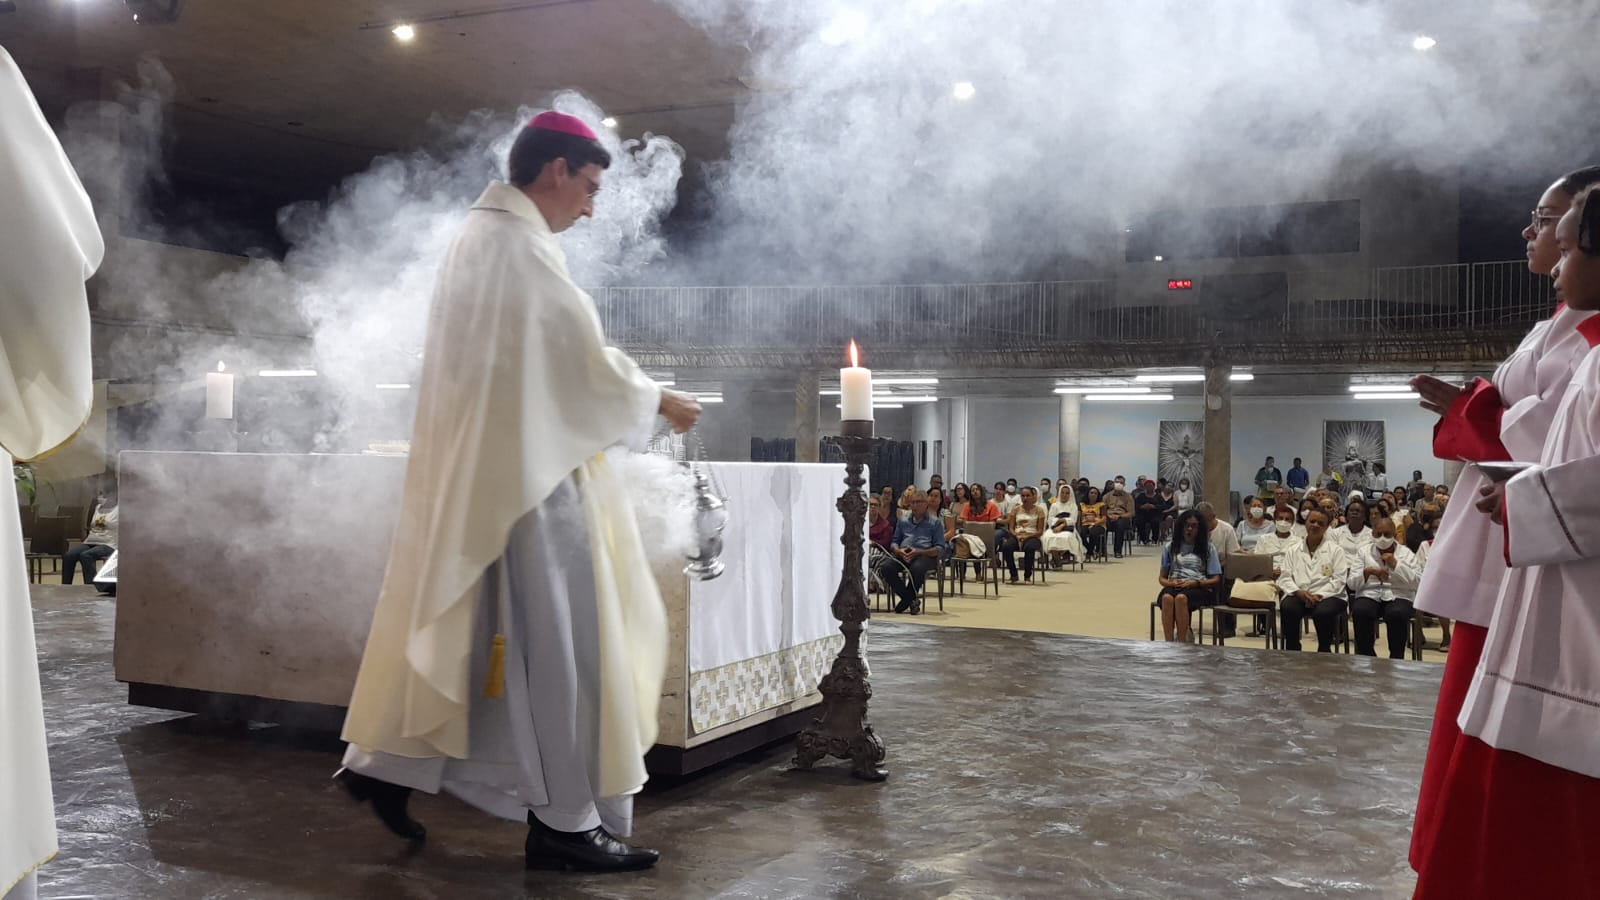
(841, 728)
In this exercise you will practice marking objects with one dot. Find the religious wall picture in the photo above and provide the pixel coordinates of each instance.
(1351, 447)
(1180, 452)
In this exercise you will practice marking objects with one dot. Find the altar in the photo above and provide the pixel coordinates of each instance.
(247, 583)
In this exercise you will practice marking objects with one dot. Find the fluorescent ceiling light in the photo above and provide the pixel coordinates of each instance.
(895, 398)
(833, 393)
(709, 398)
(1379, 388)
(1389, 396)
(1242, 376)
(963, 90)
(1423, 42)
(1172, 377)
(393, 387)
(609, 121)
(403, 33)
(666, 383)
(887, 406)
(1087, 389)
(287, 373)
(1128, 398)
(877, 381)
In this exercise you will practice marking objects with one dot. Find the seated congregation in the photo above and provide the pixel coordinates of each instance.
(1312, 556)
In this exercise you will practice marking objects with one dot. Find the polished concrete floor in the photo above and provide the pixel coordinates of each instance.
(1023, 765)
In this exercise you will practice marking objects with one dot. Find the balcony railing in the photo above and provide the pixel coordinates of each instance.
(1461, 299)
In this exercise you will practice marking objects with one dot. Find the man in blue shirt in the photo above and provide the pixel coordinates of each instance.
(918, 544)
(1299, 478)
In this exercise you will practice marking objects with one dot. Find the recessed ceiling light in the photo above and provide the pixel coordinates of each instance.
(609, 122)
(1423, 42)
(963, 90)
(403, 33)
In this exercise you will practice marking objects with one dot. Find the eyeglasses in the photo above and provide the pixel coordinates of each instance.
(1539, 220)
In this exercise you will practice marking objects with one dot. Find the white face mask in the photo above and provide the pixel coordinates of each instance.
(1285, 527)
(1383, 543)
(1257, 512)
(1304, 513)
(1120, 485)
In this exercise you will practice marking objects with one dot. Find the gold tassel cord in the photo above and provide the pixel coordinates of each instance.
(494, 686)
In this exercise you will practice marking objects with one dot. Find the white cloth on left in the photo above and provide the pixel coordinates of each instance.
(1537, 687)
(535, 747)
(51, 246)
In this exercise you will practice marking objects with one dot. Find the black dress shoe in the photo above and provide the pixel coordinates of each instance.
(594, 850)
(388, 801)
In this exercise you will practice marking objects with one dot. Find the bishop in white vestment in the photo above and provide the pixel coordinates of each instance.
(50, 248)
(518, 648)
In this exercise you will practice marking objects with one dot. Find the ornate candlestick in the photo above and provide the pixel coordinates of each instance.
(841, 728)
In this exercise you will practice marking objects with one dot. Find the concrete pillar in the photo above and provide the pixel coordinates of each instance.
(807, 418)
(1219, 437)
(1452, 472)
(1071, 441)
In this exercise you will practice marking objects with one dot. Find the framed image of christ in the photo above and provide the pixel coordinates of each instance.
(1352, 446)
(1180, 453)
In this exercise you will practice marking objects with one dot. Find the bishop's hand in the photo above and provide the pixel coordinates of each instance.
(1437, 395)
(681, 410)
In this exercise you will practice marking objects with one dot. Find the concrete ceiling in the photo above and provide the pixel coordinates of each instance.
(302, 92)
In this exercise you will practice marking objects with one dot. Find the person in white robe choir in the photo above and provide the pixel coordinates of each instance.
(1506, 419)
(519, 643)
(1383, 580)
(50, 248)
(1519, 800)
(1313, 582)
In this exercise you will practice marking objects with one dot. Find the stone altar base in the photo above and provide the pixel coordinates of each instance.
(1027, 765)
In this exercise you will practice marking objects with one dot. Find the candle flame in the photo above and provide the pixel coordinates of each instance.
(855, 357)
(221, 367)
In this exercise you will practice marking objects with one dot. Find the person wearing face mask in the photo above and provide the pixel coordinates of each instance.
(1306, 507)
(1354, 535)
(1314, 579)
(1518, 802)
(1383, 581)
(1276, 543)
(1183, 498)
(1255, 525)
(1119, 514)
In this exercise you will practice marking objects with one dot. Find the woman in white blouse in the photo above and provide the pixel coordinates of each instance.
(1353, 536)
(1184, 496)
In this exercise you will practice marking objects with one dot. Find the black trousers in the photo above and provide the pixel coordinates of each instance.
(1009, 545)
(1121, 529)
(1292, 610)
(85, 555)
(904, 587)
(1094, 539)
(1396, 614)
(1148, 525)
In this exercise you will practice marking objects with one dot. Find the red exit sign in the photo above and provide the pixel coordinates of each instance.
(1180, 284)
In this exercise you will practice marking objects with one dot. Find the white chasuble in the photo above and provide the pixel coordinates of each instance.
(1537, 687)
(518, 393)
(1467, 565)
(50, 248)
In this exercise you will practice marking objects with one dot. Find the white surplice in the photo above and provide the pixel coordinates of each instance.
(1537, 687)
(519, 396)
(50, 248)
(1467, 563)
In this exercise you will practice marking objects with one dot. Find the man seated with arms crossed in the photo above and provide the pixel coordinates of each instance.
(1119, 514)
(919, 543)
(1383, 580)
(1313, 582)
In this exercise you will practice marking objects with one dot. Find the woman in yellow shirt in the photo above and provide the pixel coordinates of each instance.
(1092, 523)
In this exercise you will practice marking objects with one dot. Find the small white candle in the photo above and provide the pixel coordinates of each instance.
(219, 394)
(855, 389)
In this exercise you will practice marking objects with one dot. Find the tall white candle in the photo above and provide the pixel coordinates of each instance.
(855, 389)
(219, 394)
